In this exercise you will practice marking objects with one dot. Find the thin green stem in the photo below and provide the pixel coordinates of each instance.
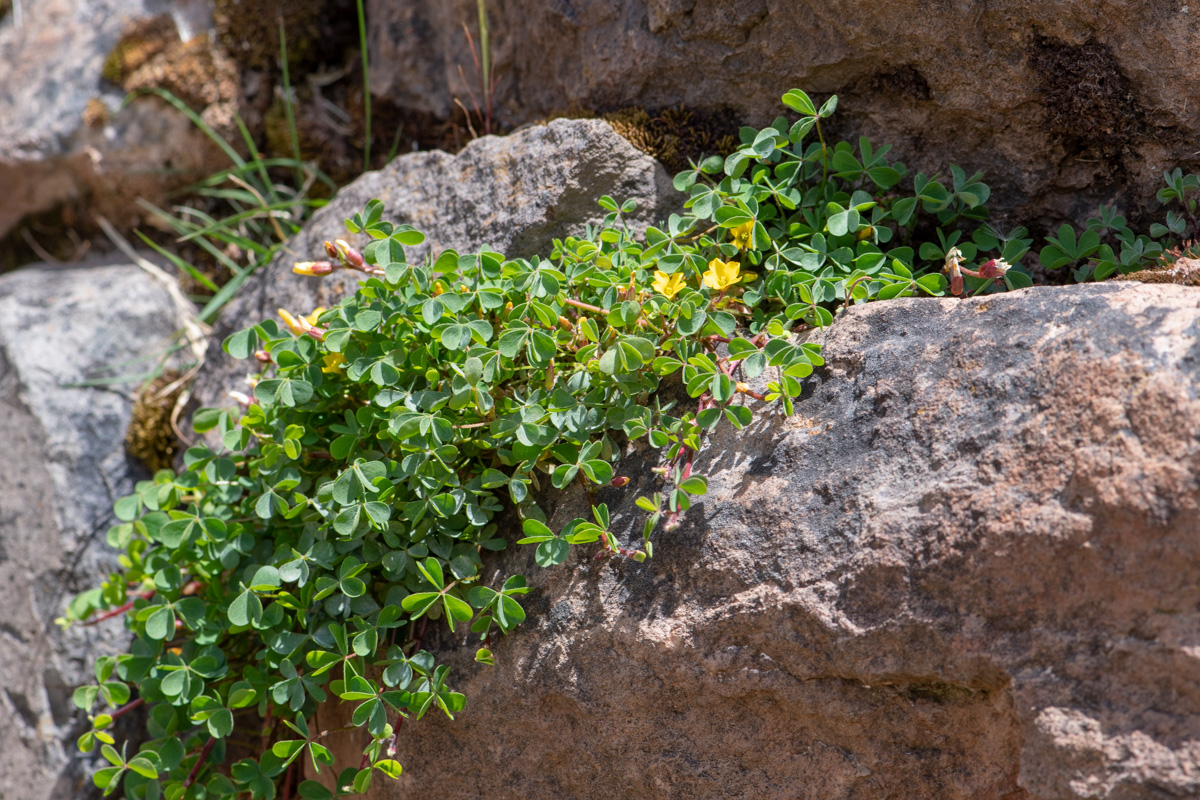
(824, 156)
(485, 65)
(362, 40)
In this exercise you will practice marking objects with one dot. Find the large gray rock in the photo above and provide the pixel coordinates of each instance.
(63, 133)
(513, 194)
(1062, 104)
(966, 567)
(64, 465)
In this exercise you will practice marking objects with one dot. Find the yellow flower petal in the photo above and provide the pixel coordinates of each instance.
(333, 363)
(312, 318)
(743, 234)
(292, 323)
(721, 274)
(668, 285)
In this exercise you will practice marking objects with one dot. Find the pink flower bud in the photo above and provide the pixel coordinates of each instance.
(349, 256)
(996, 268)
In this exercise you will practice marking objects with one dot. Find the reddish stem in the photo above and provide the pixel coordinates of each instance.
(585, 306)
(116, 612)
(287, 783)
(391, 747)
(729, 373)
(125, 709)
(191, 778)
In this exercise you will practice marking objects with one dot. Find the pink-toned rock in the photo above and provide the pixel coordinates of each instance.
(967, 567)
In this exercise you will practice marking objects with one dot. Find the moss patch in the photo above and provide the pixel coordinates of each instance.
(142, 40)
(318, 32)
(1087, 97)
(671, 135)
(675, 135)
(192, 71)
(151, 439)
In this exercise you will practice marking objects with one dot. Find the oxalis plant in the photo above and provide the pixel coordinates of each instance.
(354, 497)
(1107, 245)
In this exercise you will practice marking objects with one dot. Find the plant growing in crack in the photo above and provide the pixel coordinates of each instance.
(352, 499)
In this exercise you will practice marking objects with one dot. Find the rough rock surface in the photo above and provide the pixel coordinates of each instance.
(63, 133)
(967, 567)
(1062, 104)
(513, 194)
(64, 464)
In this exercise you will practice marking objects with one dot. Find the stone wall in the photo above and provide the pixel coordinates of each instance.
(1063, 105)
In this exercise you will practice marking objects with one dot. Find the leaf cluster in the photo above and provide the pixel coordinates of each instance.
(1107, 245)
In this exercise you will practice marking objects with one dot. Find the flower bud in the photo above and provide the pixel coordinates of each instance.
(996, 268)
(350, 257)
(313, 268)
(263, 356)
(312, 330)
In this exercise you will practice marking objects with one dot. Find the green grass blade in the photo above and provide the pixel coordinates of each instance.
(246, 215)
(255, 157)
(362, 38)
(195, 119)
(209, 312)
(293, 134)
(179, 263)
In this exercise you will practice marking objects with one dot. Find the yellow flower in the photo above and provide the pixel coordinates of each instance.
(333, 363)
(743, 234)
(292, 323)
(721, 274)
(299, 326)
(668, 285)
